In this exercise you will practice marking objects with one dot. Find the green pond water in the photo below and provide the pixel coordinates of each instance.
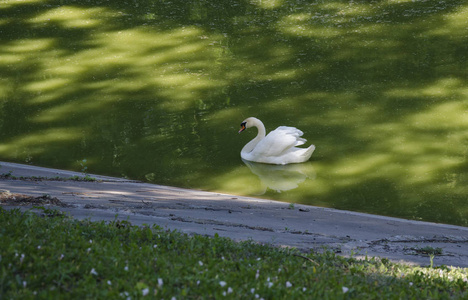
(156, 91)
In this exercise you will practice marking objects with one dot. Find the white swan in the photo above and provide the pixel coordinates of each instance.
(278, 147)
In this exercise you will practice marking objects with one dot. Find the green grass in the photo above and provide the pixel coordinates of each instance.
(41, 178)
(53, 256)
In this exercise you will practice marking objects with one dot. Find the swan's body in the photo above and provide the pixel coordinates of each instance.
(278, 147)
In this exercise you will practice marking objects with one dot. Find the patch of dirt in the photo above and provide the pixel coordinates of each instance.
(7, 198)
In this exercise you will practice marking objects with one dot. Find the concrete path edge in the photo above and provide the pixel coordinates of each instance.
(305, 227)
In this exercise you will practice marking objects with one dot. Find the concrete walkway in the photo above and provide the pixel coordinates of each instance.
(240, 218)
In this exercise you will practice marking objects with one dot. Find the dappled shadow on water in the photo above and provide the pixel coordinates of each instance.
(155, 90)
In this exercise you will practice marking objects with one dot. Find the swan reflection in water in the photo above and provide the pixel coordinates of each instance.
(281, 178)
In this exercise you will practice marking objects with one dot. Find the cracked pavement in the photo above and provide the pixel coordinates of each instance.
(240, 218)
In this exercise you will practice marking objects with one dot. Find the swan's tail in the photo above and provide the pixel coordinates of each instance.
(308, 152)
(301, 155)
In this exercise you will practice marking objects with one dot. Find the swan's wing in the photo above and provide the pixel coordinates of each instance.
(279, 141)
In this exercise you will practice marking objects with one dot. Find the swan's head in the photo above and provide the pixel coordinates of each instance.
(247, 123)
(243, 126)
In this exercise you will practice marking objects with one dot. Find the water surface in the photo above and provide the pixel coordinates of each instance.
(156, 90)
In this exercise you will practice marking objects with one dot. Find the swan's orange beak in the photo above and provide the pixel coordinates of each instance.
(242, 127)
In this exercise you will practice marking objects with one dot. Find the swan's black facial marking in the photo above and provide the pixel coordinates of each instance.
(243, 127)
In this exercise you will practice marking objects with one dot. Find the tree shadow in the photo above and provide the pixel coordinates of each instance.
(155, 90)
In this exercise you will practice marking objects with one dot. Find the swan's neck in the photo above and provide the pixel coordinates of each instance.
(260, 135)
